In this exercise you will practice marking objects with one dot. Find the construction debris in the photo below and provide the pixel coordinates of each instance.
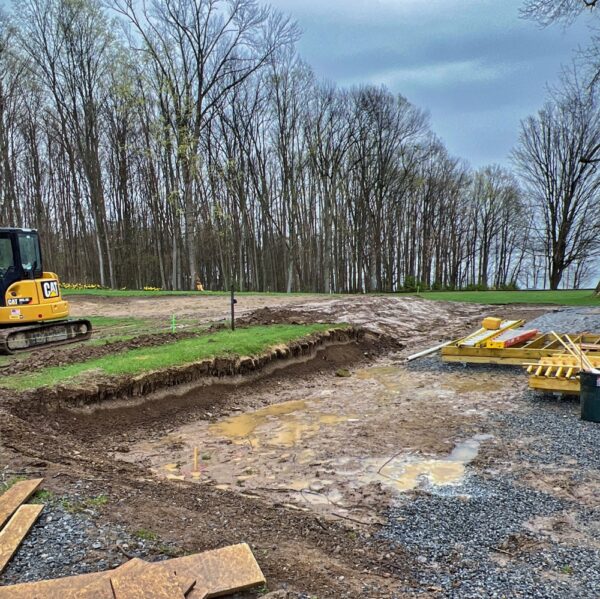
(200, 576)
(511, 344)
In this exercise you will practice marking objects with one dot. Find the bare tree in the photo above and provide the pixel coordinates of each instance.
(550, 11)
(69, 43)
(563, 190)
(202, 49)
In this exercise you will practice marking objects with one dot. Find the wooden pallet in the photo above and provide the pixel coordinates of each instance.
(559, 373)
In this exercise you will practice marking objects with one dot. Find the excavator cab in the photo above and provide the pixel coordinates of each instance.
(20, 258)
(32, 312)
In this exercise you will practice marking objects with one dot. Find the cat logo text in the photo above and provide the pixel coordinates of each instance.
(50, 289)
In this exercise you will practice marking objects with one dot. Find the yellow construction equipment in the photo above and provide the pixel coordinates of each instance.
(560, 373)
(32, 312)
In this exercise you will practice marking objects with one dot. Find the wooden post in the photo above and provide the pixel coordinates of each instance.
(233, 303)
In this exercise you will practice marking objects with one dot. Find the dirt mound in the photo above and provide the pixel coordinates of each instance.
(410, 320)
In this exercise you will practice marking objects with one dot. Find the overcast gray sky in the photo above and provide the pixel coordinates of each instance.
(474, 64)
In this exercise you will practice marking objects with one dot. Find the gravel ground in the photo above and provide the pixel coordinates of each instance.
(568, 320)
(472, 540)
(67, 540)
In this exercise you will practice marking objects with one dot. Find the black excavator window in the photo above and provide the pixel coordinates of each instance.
(29, 248)
(6, 254)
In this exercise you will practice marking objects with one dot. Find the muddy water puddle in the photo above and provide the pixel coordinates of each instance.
(405, 473)
(340, 447)
(283, 424)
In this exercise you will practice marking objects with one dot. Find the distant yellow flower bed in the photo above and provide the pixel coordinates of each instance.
(81, 286)
(86, 286)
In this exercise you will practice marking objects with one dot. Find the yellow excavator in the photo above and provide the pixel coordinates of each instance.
(33, 313)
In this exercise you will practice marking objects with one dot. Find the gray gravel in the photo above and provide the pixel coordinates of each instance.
(471, 540)
(64, 543)
(568, 320)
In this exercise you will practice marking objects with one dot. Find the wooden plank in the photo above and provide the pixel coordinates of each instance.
(223, 571)
(86, 586)
(562, 385)
(218, 572)
(14, 532)
(136, 566)
(98, 587)
(139, 580)
(15, 496)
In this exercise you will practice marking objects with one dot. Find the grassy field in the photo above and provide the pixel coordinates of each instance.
(242, 342)
(578, 297)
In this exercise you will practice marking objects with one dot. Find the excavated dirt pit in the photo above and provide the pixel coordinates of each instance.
(339, 446)
(351, 474)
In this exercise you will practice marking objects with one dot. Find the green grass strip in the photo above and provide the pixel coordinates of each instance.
(578, 297)
(242, 342)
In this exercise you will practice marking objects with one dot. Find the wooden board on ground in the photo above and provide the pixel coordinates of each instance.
(139, 580)
(14, 532)
(146, 575)
(98, 588)
(15, 496)
(228, 570)
(218, 572)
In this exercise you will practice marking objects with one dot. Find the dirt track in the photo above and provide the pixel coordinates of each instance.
(298, 464)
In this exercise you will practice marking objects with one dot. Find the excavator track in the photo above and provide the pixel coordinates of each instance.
(42, 335)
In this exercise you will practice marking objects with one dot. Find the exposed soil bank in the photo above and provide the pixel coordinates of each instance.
(220, 368)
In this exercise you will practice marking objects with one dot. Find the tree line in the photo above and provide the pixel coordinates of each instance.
(166, 143)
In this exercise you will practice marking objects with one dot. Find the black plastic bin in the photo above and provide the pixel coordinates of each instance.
(590, 396)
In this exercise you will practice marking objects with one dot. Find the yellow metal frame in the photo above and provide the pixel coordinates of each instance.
(481, 337)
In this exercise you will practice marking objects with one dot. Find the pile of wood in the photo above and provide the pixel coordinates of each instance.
(200, 576)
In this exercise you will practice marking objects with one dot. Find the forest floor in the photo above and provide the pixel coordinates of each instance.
(350, 474)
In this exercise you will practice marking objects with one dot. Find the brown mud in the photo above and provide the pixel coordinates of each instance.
(300, 463)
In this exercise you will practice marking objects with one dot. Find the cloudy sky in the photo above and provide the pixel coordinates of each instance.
(474, 64)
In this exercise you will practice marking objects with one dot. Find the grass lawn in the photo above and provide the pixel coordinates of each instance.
(577, 297)
(242, 342)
